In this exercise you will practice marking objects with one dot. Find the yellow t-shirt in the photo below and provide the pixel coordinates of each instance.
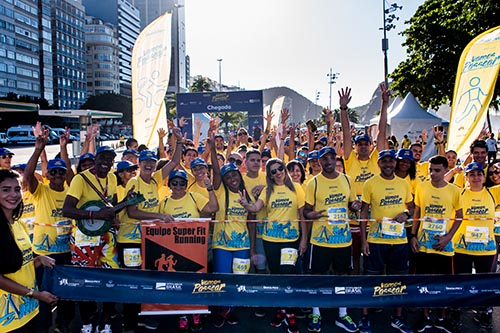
(231, 235)
(333, 196)
(50, 239)
(437, 206)
(189, 206)
(496, 228)
(282, 208)
(413, 183)
(195, 188)
(459, 180)
(423, 170)
(475, 237)
(361, 171)
(130, 230)
(17, 310)
(28, 217)
(387, 199)
(250, 183)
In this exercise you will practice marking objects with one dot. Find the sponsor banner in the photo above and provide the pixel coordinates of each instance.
(174, 247)
(150, 75)
(137, 286)
(477, 74)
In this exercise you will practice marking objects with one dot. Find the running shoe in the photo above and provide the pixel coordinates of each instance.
(291, 323)
(196, 322)
(278, 318)
(400, 325)
(182, 324)
(346, 324)
(423, 323)
(364, 325)
(314, 324)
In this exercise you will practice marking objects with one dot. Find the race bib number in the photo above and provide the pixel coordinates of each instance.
(82, 240)
(132, 257)
(288, 256)
(391, 227)
(241, 266)
(476, 234)
(63, 227)
(434, 226)
(337, 216)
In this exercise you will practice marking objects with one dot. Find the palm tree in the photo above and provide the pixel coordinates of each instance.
(230, 119)
(200, 84)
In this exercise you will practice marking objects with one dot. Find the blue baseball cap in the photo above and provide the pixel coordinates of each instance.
(177, 174)
(201, 149)
(266, 153)
(287, 141)
(122, 165)
(198, 161)
(387, 153)
(405, 153)
(21, 166)
(327, 150)
(130, 151)
(302, 161)
(105, 149)
(360, 137)
(314, 155)
(6, 151)
(87, 156)
(147, 155)
(323, 139)
(228, 167)
(57, 163)
(473, 167)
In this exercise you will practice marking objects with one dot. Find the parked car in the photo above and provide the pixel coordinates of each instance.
(59, 131)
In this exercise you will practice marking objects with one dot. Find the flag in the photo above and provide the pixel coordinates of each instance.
(150, 74)
(474, 88)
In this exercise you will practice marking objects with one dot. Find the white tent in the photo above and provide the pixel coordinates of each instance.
(410, 118)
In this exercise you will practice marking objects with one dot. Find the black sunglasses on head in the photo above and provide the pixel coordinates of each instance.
(280, 168)
(235, 161)
(54, 172)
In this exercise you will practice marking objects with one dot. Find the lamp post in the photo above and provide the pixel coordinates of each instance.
(177, 60)
(220, 74)
(388, 25)
(331, 80)
(316, 98)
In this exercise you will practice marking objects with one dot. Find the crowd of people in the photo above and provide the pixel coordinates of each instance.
(289, 202)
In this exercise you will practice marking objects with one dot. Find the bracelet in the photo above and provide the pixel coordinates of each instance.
(210, 188)
(438, 142)
(411, 235)
(343, 108)
(179, 143)
(30, 292)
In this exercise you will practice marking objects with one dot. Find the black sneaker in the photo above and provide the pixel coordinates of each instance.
(231, 318)
(260, 312)
(196, 322)
(219, 320)
(299, 314)
(446, 325)
(484, 319)
(278, 318)
(291, 323)
(423, 324)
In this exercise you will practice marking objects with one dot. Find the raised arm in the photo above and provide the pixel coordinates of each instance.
(176, 157)
(161, 143)
(382, 122)
(217, 179)
(63, 146)
(344, 99)
(29, 172)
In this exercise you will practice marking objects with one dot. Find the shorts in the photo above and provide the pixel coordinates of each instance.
(338, 258)
(433, 263)
(482, 264)
(391, 258)
(273, 256)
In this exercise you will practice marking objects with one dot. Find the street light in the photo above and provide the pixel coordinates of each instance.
(220, 71)
(332, 77)
(177, 44)
(317, 97)
(388, 25)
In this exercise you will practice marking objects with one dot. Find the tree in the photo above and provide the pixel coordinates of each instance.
(111, 102)
(353, 115)
(200, 84)
(230, 119)
(438, 33)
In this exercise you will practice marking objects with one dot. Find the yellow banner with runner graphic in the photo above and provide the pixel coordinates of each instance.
(150, 75)
(474, 88)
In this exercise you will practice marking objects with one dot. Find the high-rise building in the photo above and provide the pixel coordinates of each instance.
(19, 48)
(125, 17)
(151, 10)
(68, 49)
(46, 54)
(103, 74)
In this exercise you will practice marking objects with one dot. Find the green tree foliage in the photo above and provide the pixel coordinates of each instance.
(111, 102)
(353, 116)
(200, 84)
(438, 33)
(231, 120)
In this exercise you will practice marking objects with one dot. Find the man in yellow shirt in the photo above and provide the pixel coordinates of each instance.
(386, 248)
(329, 196)
(436, 204)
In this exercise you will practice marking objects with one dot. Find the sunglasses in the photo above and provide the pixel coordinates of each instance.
(7, 156)
(178, 183)
(280, 168)
(242, 133)
(235, 161)
(496, 172)
(59, 172)
(130, 170)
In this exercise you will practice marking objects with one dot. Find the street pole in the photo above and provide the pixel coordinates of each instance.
(332, 76)
(385, 47)
(220, 74)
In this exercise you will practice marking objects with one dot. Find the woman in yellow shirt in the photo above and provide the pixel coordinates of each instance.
(17, 265)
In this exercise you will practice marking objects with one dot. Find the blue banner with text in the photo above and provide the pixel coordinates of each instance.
(143, 286)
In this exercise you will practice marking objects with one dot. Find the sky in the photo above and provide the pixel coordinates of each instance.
(294, 43)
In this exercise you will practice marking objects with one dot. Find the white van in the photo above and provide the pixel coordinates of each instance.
(3, 139)
(21, 134)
